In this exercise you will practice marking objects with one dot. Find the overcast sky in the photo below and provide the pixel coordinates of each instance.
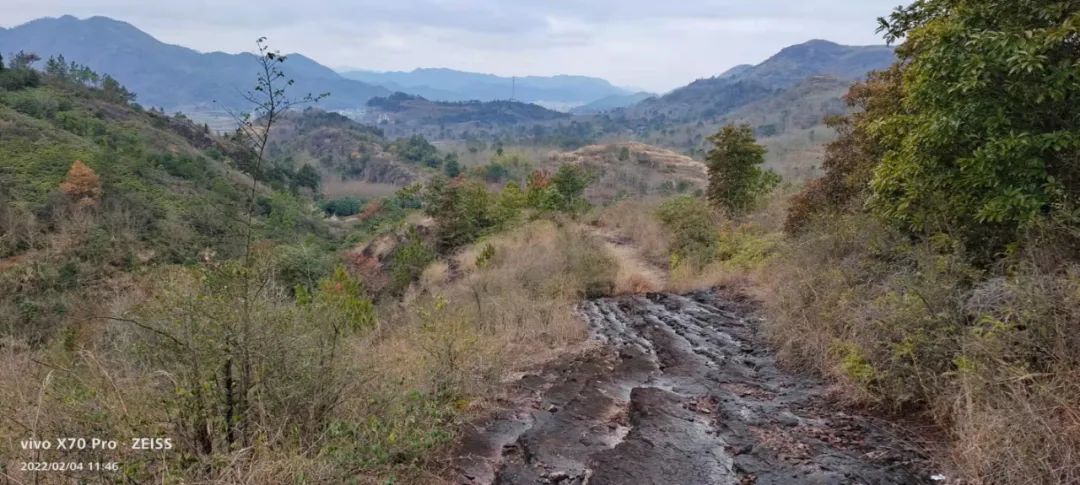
(651, 44)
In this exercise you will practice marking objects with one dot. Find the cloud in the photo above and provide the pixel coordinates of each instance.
(653, 44)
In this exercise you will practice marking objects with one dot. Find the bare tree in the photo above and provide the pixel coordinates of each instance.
(268, 100)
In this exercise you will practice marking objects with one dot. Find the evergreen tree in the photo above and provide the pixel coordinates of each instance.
(736, 179)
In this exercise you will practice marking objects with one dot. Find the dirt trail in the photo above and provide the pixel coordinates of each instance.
(679, 390)
(636, 274)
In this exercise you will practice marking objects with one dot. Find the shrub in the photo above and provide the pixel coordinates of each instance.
(463, 211)
(918, 326)
(343, 207)
(408, 261)
(693, 228)
(300, 267)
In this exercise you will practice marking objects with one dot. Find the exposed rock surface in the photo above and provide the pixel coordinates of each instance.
(680, 390)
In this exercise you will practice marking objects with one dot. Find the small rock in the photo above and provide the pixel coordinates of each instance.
(552, 408)
(788, 419)
(556, 477)
(742, 450)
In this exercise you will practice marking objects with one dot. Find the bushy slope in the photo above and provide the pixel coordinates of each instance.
(341, 148)
(169, 193)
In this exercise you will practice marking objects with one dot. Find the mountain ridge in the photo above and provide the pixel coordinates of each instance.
(168, 75)
(447, 84)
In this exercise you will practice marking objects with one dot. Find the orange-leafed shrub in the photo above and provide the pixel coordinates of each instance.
(82, 185)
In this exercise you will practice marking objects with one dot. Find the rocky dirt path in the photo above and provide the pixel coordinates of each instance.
(635, 274)
(679, 390)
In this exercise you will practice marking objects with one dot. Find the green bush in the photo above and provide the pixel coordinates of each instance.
(343, 207)
(407, 262)
(463, 211)
(693, 228)
(300, 267)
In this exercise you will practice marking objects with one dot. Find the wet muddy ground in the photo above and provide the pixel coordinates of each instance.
(679, 390)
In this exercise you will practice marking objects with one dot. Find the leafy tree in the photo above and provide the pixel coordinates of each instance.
(408, 261)
(569, 183)
(850, 160)
(307, 177)
(463, 211)
(24, 60)
(20, 74)
(57, 67)
(736, 180)
(451, 166)
(82, 185)
(495, 172)
(342, 207)
(987, 139)
(113, 90)
(417, 149)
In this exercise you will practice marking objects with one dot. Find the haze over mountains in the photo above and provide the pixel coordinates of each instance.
(182, 79)
(178, 78)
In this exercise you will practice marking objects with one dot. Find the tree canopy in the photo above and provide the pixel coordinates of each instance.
(736, 179)
(986, 139)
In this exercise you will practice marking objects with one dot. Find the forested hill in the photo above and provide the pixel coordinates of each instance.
(401, 113)
(169, 76)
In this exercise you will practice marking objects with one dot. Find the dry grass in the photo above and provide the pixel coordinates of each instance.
(990, 356)
(525, 293)
(440, 353)
(635, 220)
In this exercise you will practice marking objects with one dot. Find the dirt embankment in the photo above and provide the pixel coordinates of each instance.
(679, 390)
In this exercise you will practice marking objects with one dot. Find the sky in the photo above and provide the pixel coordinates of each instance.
(655, 45)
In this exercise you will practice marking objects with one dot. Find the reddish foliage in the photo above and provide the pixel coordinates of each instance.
(82, 185)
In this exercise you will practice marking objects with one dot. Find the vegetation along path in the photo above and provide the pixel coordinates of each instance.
(680, 389)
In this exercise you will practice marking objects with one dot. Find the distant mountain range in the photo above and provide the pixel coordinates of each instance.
(170, 76)
(178, 78)
(439, 84)
(614, 101)
(181, 79)
(712, 97)
(796, 63)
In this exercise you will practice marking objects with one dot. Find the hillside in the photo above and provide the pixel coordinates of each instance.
(632, 170)
(401, 114)
(785, 99)
(169, 76)
(340, 148)
(711, 98)
(439, 84)
(160, 190)
(612, 102)
(796, 63)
